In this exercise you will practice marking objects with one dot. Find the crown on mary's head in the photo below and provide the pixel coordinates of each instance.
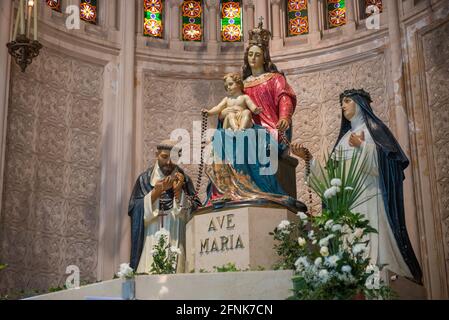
(260, 36)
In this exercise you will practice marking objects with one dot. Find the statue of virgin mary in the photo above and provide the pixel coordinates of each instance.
(239, 172)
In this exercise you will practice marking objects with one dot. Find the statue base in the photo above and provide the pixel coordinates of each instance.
(239, 236)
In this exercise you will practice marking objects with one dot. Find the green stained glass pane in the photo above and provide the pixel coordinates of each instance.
(153, 18)
(192, 25)
(298, 17)
(336, 13)
(231, 20)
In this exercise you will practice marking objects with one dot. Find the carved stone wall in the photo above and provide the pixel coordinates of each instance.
(436, 57)
(52, 175)
(318, 115)
(168, 110)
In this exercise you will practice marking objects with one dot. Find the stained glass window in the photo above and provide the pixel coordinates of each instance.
(336, 13)
(153, 19)
(297, 15)
(192, 28)
(88, 10)
(231, 20)
(368, 3)
(54, 4)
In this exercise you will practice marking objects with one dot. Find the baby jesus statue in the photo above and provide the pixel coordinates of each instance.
(237, 106)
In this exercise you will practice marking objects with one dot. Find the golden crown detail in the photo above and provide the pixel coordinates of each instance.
(259, 36)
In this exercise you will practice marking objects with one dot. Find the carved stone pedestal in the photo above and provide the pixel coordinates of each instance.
(239, 236)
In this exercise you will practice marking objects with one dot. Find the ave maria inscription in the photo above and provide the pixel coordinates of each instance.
(219, 242)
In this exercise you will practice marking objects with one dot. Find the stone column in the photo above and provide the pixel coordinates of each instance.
(212, 43)
(314, 21)
(175, 25)
(350, 26)
(111, 14)
(262, 11)
(6, 12)
(248, 7)
(398, 105)
(123, 142)
(277, 42)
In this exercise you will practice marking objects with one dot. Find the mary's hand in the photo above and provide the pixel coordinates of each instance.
(283, 125)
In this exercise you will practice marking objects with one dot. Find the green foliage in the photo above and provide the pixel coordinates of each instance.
(3, 266)
(329, 251)
(164, 256)
(229, 267)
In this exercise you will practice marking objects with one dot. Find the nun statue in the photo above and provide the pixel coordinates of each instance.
(363, 131)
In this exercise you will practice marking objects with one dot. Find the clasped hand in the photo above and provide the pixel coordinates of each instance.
(176, 182)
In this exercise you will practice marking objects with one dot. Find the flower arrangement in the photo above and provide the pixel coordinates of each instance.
(164, 255)
(126, 272)
(329, 252)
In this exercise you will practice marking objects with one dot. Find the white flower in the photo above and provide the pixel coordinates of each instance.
(346, 269)
(125, 271)
(336, 189)
(329, 193)
(325, 241)
(336, 182)
(329, 223)
(373, 281)
(318, 261)
(162, 233)
(284, 224)
(349, 188)
(359, 248)
(314, 241)
(311, 235)
(302, 215)
(301, 263)
(358, 233)
(301, 241)
(324, 275)
(332, 260)
(336, 227)
(371, 268)
(324, 251)
(175, 250)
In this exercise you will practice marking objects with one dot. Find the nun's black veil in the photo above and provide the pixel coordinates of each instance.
(392, 162)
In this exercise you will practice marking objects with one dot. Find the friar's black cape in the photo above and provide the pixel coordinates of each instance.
(392, 162)
(136, 210)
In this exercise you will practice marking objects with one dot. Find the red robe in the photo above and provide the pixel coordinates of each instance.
(275, 97)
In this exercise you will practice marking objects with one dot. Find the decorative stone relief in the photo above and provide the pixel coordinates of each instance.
(51, 187)
(436, 57)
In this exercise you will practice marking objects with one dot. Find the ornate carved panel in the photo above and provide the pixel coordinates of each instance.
(52, 176)
(436, 56)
